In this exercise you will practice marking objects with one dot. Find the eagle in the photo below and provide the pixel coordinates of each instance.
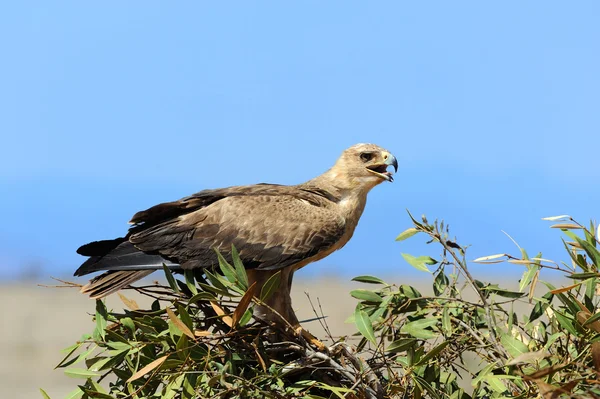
(274, 228)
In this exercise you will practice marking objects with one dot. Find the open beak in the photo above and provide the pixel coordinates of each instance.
(381, 169)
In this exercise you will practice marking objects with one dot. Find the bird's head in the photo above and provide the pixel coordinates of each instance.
(363, 165)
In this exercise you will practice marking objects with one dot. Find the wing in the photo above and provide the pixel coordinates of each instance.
(272, 227)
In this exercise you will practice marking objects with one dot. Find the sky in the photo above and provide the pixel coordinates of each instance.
(492, 109)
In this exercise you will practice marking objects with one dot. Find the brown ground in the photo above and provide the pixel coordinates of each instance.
(36, 323)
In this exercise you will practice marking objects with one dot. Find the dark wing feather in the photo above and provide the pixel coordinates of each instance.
(269, 231)
(271, 226)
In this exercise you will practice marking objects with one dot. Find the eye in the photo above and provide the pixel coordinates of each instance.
(366, 156)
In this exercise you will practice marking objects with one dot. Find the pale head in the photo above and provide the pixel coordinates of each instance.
(363, 166)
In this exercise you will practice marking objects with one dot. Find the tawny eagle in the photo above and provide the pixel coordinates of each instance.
(273, 227)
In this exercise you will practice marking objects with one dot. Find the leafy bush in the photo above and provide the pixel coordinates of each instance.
(470, 339)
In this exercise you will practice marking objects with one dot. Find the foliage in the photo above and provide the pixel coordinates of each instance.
(469, 339)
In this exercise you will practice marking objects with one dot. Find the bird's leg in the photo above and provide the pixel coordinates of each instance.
(298, 329)
(278, 309)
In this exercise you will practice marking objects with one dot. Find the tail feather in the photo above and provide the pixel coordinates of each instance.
(112, 281)
(125, 264)
(124, 256)
(100, 248)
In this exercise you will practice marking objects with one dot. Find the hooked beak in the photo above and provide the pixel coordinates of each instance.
(381, 169)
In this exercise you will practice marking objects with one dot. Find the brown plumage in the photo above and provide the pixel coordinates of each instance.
(273, 227)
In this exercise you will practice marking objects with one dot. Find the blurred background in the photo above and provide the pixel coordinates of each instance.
(107, 109)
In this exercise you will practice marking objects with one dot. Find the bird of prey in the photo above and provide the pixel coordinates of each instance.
(273, 227)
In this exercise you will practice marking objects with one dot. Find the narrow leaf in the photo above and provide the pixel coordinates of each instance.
(270, 286)
(240, 270)
(567, 288)
(420, 328)
(489, 257)
(401, 344)
(363, 323)
(432, 353)
(243, 304)
(419, 263)
(592, 319)
(529, 357)
(527, 277)
(553, 218)
(130, 303)
(407, 234)
(564, 226)
(44, 394)
(170, 278)
(76, 393)
(220, 312)
(190, 281)
(514, 346)
(446, 322)
(226, 268)
(565, 323)
(368, 279)
(101, 316)
(81, 373)
(366, 295)
(180, 324)
(148, 368)
(592, 252)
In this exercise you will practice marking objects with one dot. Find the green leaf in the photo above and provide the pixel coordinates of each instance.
(226, 268)
(246, 317)
(440, 282)
(537, 311)
(432, 353)
(420, 328)
(368, 279)
(590, 250)
(494, 382)
(527, 276)
(513, 346)
(44, 394)
(583, 276)
(566, 323)
(446, 322)
(190, 281)
(182, 347)
(410, 292)
(185, 316)
(101, 316)
(592, 319)
(240, 270)
(70, 350)
(74, 394)
(81, 373)
(504, 293)
(92, 393)
(407, 234)
(218, 282)
(170, 278)
(270, 286)
(202, 296)
(419, 263)
(363, 323)
(427, 387)
(401, 344)
(366, 295)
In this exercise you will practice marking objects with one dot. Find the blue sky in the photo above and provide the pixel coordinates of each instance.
(492, 110)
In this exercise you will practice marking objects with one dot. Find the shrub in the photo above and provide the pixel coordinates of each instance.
(467, 340)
